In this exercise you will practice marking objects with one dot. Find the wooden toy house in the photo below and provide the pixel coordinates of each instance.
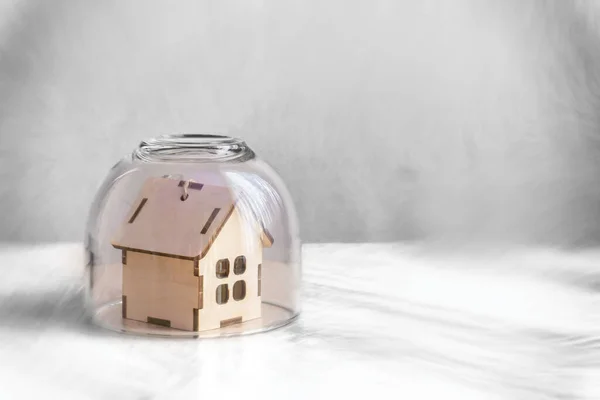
(191, 260)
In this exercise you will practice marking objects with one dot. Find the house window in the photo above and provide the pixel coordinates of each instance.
(223, 268)
(239, 290)
(239, 266)
(222, 294)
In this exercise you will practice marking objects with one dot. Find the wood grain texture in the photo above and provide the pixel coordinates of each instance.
(148, 229)
(160, 289)
(402, 320)
(235, 239)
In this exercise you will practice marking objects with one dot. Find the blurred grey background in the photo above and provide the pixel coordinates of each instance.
(389, 120)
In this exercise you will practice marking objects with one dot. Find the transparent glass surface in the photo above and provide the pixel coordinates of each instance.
(192, 235)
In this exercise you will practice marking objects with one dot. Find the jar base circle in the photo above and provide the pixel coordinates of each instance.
(273, 316)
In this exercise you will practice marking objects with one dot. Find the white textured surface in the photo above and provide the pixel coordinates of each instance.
(464, 118)
(379, 320)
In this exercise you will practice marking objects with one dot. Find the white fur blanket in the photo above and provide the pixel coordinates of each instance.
(379, 320)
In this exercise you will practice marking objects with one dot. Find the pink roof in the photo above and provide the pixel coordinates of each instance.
(159, 222)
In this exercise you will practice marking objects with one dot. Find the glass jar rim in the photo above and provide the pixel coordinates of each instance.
(193, 148)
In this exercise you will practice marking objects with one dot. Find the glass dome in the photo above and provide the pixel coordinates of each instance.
(192, 235)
